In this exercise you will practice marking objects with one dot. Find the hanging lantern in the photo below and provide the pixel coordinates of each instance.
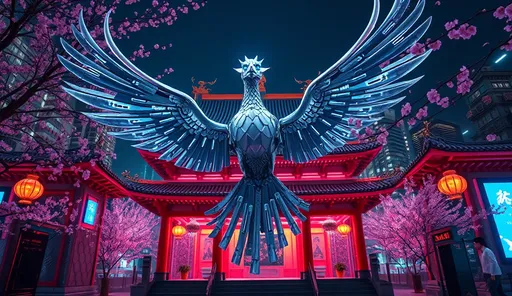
(329, 225)
(344, 229)
(28, 189)
(192, 226)
(178, 231)
(452, 184)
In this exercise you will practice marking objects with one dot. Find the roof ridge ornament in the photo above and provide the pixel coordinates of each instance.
(201, 89)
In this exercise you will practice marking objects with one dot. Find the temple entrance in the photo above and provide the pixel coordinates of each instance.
(287, 265)
(196, 250)
(331, 247)
(26, 266)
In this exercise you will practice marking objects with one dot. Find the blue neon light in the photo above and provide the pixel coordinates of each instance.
(500, 194)
(500, 58)
(2, 193)
(90, 212)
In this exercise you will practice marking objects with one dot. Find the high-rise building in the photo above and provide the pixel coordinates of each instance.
(435, 129)
(100, 139)
(19, 53)
(395, 154)
(490, 104)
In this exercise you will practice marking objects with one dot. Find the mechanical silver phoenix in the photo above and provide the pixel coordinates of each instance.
(166, 120)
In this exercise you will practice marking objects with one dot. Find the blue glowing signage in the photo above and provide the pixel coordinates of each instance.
(2, 194)
(90, 212)
(500, 194)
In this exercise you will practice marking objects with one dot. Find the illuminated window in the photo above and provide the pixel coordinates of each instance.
(2, 194)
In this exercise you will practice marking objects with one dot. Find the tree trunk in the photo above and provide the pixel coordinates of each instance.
(104, 286)
(416, 283)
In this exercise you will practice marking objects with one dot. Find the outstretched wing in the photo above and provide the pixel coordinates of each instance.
(355, 86)
(160, 117)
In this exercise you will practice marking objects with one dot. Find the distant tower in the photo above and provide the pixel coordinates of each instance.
(396, 153)
(490, 104)
(436, 129)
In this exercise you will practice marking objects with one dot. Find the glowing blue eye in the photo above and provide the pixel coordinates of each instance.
(258, 67)
(244, 67)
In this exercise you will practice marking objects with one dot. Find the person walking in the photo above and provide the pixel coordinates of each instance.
(490, 267)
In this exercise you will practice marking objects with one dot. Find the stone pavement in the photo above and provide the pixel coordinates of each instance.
(405, 292)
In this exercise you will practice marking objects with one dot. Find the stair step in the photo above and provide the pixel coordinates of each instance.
(326, 287)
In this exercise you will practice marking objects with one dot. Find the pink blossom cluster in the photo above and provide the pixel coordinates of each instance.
(382, 138)
(406, 109)
(464, 31)
(504, 12)
(491, 137)
(422, 113)
(434, 97)
(47, 210)
(464, 83)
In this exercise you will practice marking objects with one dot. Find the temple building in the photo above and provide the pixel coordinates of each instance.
(330, 184)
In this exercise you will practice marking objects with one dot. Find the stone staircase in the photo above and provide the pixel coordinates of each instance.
(181, 288)
(326, 287)
(353, 287)
(262, 287)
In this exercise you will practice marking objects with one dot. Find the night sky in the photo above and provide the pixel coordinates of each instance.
(297, 39)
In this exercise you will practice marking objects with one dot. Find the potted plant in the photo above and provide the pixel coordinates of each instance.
(184, 269)
(340, 269)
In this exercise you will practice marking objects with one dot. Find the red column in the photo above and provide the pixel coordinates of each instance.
(217, 256)
(360, 245)
(164, 248)
(307, 245)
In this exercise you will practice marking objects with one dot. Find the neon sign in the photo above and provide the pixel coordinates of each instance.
(500, 194)
(91, 208)
(443, 236)
(2, 194)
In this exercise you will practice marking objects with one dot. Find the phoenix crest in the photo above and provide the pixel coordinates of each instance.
(165, 120)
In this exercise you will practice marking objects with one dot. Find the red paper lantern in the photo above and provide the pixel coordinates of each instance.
(179, 231)
(28, 189)
(344, 229)
(192, 226)
(452, 184)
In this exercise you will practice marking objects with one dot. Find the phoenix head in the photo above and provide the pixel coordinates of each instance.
(251, 68)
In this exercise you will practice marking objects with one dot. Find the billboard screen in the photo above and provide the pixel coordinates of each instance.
(500, 194)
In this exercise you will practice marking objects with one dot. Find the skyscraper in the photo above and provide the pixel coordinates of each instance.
(490, 104)
(435, 129)
(95, 136)
(50, 125)
(395, 154)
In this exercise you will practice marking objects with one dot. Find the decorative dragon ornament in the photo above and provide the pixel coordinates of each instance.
(165, 120)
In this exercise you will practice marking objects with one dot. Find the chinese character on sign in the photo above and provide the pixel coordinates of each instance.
(503, 197)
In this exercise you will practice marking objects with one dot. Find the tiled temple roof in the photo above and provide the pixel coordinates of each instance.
(317, 188)
(301, 188)
(221, 189)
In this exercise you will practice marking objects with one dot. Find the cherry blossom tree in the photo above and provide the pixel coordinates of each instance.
(403, 226)
(127, 229)
(51, 212)
(458, 84)
(33, 108)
